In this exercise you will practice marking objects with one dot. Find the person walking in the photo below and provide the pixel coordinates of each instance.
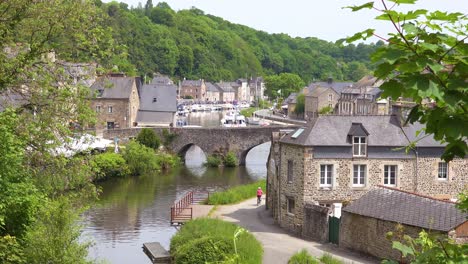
(259, 195)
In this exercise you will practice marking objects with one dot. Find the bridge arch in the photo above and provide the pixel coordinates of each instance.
(244, 153)
(182, 152)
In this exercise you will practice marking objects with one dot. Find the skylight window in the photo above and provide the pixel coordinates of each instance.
(297, 133)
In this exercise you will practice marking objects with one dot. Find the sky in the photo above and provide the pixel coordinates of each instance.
(324, 19)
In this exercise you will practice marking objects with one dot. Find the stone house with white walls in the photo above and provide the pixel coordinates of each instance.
(336, 159)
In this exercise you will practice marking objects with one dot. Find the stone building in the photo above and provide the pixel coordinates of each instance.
(213, 93)
(115, 101)
(227, 92)
(158, 105)
(366, 221)
(319, 95)
(340, 158)
(360, 98)
(257, 89)
(193, 89)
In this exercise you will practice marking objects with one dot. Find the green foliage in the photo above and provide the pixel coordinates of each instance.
(425, 60)
(140, 159)
(326, 110)
(213, 161)
(427, 248)
(300, 104)
(11, 251)
(167, 161)
(283, 84)
(205, 240)
(463, 204)
(230, 160)
(54, 236)
(248, 112)
(148, 137)
(236, 194)
(303, 257)
(109, 165)
(168, 137)
(329, 259)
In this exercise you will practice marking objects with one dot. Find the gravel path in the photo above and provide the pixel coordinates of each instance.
(278, 245)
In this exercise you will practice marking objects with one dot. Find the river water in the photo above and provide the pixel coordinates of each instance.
(136, 210)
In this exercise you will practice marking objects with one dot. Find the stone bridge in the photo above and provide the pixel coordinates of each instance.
(239, 140)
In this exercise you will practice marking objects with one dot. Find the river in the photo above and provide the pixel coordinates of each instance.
(135, 210)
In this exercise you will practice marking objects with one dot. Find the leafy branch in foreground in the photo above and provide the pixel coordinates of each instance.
(425, 59)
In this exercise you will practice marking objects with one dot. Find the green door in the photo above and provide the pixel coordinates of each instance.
(333, 230)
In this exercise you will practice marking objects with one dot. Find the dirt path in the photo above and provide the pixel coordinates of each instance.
(278, 245)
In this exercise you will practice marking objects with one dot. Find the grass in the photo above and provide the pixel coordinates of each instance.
(236, 194)
(248, 112)
(303, 257)
(189, 244)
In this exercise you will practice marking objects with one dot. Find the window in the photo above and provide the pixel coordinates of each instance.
(98, 109)
(326, 175)
(330, 97)
(390, 172)
(155, 99)
(359, 176)
(443, 171)
(290, 170)
(109, 109)
(359, 146)
(291, 205)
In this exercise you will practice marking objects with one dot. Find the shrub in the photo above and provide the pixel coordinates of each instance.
(329, 259)
(148, 137)
(214, 236)
(248, 112)
(303, 257)
(10, 250)
(108, 165)
(168, 137)
(326, 110)
(166, 161)
(213, 161)
(140, 159)
(236, 194)
(230, 160)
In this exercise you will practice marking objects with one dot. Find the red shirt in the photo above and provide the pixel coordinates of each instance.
(259, 192)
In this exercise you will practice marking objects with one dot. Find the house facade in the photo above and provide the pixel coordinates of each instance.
(116, 101)
(227, 92)
(158, 105)
(360, 98)
(213, 93)
(257, 89)
(338, 159)
(319, 98)
(193, 89)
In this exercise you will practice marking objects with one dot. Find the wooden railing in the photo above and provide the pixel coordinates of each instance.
(182, 211)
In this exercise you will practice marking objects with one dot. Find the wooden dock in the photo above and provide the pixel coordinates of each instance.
(188, 207)
(156, 253)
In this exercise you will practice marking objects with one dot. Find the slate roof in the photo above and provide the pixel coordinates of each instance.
(166, 98)
(422, 140)
(195, 83)
(317, 91)
(337, 86)
(368, 81)
(12, 99)
(162, 80)
(407, 208)
(225, 87)
(291, 99)
(211, 87)
(113, 87)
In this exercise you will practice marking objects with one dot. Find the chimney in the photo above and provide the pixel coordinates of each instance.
(330, 80)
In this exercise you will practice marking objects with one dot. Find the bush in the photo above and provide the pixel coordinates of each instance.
(168, 137)
(10, 250)
(213, 161)
(303, 257)
(140, 159)
(148, 137)
(326, 110)
(166, 161)
(216, 239)
(108, 165)
(329, 259)
(236, 194)
(248, 112)
(230, 160)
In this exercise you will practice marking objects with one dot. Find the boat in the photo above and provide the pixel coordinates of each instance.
(233, 119)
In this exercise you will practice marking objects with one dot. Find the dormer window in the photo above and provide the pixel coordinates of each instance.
(359, 146)
(155, 99)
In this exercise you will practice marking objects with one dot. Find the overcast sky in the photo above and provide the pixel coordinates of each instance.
(324, 19)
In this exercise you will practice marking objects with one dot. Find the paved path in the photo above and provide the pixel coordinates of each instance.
(278, 245)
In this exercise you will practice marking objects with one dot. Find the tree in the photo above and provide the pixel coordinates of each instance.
(425, 60)
(300, 104)
(283, 84)
(148, 137)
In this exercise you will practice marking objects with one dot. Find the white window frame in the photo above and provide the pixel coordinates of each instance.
(387, 181)
(359, 170)
(330, 97)
(110, 109)
(98, 109)
(326, 180)
(361, 146)
(288, 205)
(442, 171)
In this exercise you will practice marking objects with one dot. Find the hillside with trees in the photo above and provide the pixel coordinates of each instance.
(191, 44)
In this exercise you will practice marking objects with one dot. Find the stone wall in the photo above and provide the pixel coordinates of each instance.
(315, 225)
(429, 184)
(119, 115)
(368, 235)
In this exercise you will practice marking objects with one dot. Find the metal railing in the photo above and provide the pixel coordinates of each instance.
(182, 211)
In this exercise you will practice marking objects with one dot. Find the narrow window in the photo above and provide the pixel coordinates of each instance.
(98, 109)
(291, 205)
(155, 99)
(390, 172)
(359, 176)
(443, 171)
(330, 97)
(359, 146)
(109, 109)
(326, 175)
(290, 171)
